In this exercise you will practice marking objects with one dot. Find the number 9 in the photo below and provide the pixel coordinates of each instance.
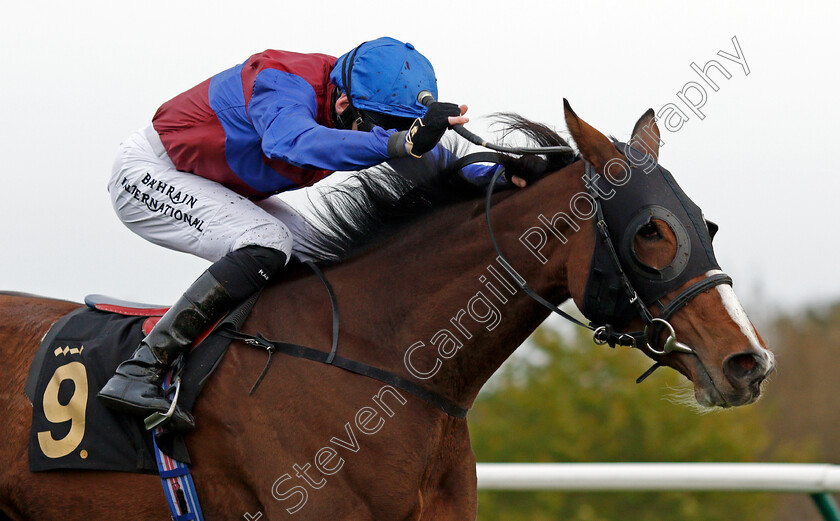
(74, 411)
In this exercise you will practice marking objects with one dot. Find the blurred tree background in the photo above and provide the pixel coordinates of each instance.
(570, 401)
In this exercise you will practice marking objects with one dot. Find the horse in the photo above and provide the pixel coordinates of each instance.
(431, 304)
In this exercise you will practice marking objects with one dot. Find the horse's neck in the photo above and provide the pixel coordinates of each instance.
(439, 291)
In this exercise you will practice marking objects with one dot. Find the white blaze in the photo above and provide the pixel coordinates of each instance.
(739, 316)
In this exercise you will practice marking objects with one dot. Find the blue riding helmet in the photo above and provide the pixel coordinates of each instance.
(385, 75)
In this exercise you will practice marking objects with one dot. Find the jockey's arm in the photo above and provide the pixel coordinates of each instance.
(283, 108)
(439, 159)
(480, 175)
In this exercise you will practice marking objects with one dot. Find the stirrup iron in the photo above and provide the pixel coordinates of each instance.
(156, 418)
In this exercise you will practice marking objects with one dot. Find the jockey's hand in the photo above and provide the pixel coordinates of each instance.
(525, 169)
(425, 132)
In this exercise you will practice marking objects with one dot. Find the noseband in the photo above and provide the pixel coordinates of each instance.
(654, 283)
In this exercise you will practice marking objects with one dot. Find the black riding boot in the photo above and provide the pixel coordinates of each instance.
(136, 386)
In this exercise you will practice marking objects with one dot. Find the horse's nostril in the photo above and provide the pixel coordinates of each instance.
(746, 362)
(743, 368)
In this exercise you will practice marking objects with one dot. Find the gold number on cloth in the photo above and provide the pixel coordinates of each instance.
(73, 411)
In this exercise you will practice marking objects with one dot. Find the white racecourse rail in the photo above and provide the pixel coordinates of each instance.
(742, 477)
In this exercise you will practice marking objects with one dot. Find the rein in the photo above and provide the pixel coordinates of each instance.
(601, 333)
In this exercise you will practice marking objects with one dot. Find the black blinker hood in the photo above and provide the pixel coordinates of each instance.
(651, 192)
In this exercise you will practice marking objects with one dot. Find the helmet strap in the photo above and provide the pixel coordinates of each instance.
(351, 114)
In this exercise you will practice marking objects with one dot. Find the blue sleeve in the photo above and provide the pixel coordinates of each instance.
(283, 109)
(439, 159)
(477, 173)
(481, 174)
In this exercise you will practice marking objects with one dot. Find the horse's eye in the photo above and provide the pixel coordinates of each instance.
(649, 231)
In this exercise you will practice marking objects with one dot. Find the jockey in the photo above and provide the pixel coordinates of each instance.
(200, 177)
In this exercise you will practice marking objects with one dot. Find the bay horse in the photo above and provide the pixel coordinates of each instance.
(317, 442)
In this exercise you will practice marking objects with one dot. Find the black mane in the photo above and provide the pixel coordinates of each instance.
(375, 203)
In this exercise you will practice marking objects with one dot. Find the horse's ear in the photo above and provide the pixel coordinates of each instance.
(646, 136)
(595, 147)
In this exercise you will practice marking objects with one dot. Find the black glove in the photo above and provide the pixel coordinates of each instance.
(529, 167)
(425, 133)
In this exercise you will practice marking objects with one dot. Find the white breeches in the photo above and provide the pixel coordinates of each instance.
(188, 213)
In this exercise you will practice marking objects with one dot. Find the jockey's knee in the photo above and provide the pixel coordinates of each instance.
(256, 257)
(274, 235)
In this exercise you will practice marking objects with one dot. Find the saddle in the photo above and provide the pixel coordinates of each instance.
(70, 428)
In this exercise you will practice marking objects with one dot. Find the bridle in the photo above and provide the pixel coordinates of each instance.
(604, 333)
